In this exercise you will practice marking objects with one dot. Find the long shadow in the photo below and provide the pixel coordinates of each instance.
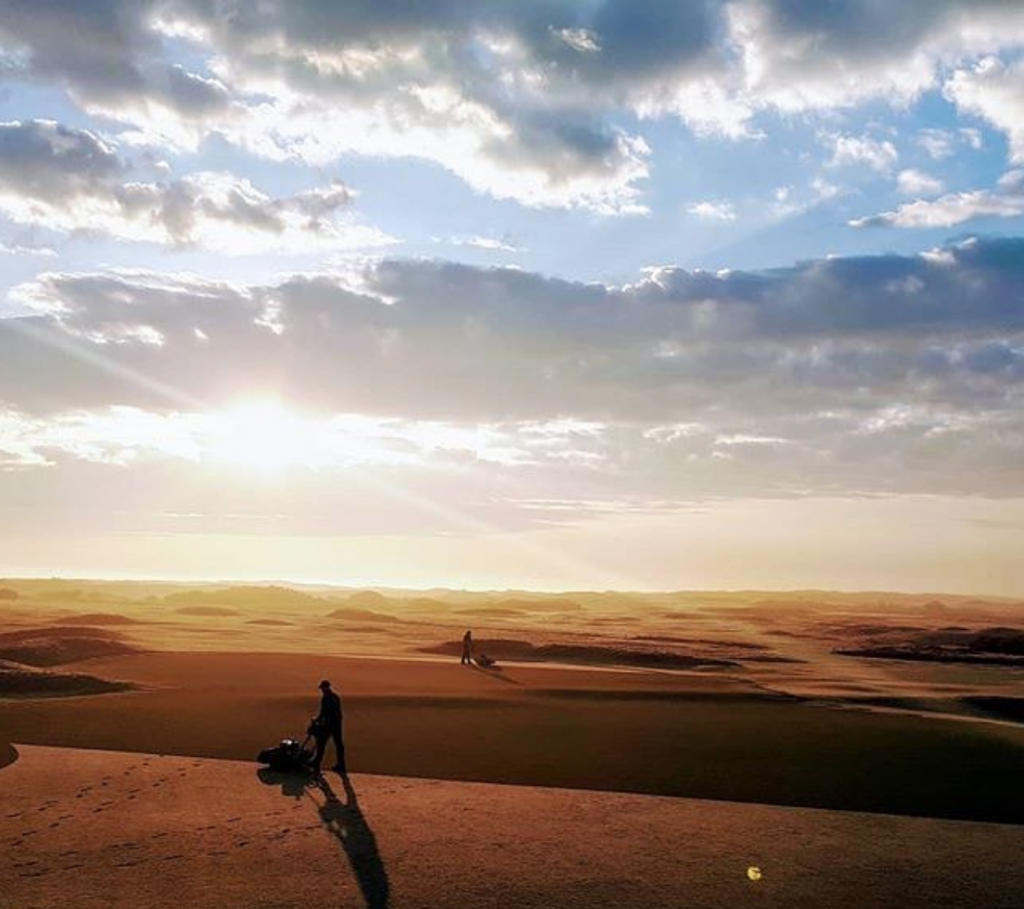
(495, 673)
(347, 823)
(8, 754)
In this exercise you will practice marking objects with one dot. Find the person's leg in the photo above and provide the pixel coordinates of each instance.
(339, 748)
(321, 745)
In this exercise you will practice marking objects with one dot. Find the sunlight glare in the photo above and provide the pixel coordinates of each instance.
(264, 438)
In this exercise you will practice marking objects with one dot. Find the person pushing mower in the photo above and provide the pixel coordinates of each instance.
(328, 725)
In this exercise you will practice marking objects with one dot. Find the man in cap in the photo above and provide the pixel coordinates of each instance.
(327, 725)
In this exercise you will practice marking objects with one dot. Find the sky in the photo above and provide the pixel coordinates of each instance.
(557, 295)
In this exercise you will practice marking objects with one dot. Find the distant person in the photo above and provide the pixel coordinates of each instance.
(327, 725)
(467, 649)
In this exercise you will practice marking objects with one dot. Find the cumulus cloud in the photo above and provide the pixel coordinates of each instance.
(523, 101)
(69, 179)
(801, 55)
(993, 90)
(109, 56)
(937, 143)
(1005, 201)
(878, 154)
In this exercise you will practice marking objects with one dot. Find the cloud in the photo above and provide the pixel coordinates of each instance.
(431, 338)
(535, 101)
(801, 55)
(878, 154)
(1006, 201)
(832, 375)
(121, 435)
(17, 249)
(912, 182)
(69, 179)
(937, 143)
(109, 56)
(993, 90)
(715, 211)
(493, 244)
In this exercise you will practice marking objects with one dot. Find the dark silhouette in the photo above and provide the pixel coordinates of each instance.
(347, 823)
(467, 649)
(327, 725)
(8, 754)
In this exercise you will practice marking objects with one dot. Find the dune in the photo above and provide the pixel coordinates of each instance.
(426, 605)
(55, 646)
(355, 628)
(361, 615)
(96, 618)
(367, 600)
(266, 597)
(538, 605)
(270, 623)
(207, 611)
(498, 612)
(931, 656)
(998, 646)
(21, 681)
(98, 828)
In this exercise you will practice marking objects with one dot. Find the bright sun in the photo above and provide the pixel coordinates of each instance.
(261, 437)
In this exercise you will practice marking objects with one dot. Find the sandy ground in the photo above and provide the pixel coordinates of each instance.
(696, 735)
(98, 829)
